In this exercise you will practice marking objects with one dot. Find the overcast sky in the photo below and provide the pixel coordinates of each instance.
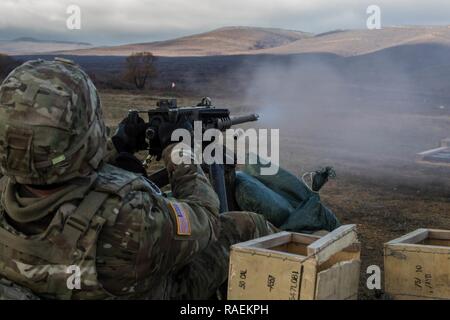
(106, 22)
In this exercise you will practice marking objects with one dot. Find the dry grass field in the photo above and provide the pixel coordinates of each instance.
(379, 188)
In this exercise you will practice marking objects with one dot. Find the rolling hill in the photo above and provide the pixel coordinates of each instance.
(358, 42)
(223, 41)
(249, 40)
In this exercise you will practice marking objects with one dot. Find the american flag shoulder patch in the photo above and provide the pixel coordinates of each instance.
(181, 217)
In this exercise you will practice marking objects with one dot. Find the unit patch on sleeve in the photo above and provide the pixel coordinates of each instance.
(181, 217)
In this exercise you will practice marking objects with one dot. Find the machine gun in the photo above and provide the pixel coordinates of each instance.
(209, 116)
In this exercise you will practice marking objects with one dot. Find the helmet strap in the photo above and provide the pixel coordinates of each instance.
(17, 151)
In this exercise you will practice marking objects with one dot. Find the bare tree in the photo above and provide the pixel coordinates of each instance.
(140, 68)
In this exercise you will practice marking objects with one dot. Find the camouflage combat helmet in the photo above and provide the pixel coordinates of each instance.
(51, 127)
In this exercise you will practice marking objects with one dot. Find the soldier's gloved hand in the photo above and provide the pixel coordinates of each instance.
(166, 129)
(130, 134)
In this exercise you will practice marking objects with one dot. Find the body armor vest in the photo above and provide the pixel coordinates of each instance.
(60, 263)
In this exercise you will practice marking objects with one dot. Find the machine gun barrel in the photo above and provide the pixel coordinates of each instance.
(224, 124)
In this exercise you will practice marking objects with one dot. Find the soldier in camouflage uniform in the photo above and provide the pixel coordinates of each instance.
(62, 205)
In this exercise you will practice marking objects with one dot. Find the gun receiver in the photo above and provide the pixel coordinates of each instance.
(204, 112)
(210, 118)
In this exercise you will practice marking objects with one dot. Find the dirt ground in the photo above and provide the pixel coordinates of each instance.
(384, 191)
(383, 214)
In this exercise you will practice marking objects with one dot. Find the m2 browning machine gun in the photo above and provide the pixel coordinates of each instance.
(168, 112)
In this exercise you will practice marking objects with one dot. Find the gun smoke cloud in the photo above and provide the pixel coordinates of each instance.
(360, 114)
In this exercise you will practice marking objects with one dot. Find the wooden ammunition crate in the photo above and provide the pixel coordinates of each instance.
(417, 265)
(295, 266)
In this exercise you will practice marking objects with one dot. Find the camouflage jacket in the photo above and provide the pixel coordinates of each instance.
(134, 242)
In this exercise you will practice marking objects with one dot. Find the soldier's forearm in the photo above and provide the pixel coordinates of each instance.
(195, 212)
(188, 181)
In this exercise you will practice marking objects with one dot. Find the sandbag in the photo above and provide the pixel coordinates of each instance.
(283, 199)
(251, 193)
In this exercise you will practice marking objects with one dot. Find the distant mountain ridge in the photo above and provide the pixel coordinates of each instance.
(251, 40)
(31, 39)
(222, 41)
(248, 41)
(358, 42)
(30, 45)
